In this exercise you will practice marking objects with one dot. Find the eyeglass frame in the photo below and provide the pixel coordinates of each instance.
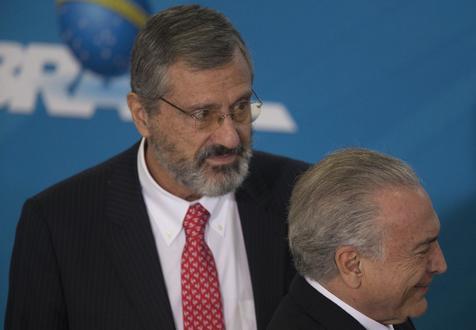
(191, 114)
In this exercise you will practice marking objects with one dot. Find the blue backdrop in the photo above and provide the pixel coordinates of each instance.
(395, 76)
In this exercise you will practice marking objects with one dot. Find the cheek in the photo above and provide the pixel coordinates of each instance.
(395, 283)
(411, 269)
(416, 272)
(245, 133)
(187, 140)
(413, 301)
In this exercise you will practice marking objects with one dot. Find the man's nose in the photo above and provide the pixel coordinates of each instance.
(226, 133)
(437, 262)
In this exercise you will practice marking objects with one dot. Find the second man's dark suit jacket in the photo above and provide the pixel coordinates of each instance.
(304, 308)
(85, 257)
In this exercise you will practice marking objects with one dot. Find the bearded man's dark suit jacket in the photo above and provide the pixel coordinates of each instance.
(304, 308)
(85, 257)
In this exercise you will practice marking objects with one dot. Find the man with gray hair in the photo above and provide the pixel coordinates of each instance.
(363, 234)
(185, 230)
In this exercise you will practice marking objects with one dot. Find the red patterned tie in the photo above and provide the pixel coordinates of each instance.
(201, 298)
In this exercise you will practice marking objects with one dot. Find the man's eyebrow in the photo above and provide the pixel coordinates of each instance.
(210, 105)
(245, 96)
(428, 241)
(201, 106)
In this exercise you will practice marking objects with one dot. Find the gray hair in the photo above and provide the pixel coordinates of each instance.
(333, 204)
(201, 37)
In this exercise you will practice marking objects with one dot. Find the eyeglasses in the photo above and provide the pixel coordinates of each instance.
(243, 112)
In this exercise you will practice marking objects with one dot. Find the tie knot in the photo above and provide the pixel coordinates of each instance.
(195, 221)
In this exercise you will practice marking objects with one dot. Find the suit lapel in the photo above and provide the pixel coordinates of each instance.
(321, 309)
(263, 236)
(132, 246)
(324, 311)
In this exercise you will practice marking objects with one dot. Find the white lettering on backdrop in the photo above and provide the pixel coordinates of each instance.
(49, 71)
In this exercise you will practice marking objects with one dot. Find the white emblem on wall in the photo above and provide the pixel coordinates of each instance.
(49, 71)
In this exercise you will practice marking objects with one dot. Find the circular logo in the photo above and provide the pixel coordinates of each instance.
(100, 33)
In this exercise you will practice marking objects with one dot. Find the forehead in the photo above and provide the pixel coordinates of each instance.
(407, 216)
(183, 80)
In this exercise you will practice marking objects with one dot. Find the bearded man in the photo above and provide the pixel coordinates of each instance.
(186, 229)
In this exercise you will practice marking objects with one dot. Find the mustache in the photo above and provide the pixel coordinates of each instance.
(219, 150)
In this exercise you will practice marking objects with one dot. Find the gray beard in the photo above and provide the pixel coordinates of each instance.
(201, 178)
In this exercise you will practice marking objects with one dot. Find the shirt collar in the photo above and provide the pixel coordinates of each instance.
(168, 210)
(363, 319)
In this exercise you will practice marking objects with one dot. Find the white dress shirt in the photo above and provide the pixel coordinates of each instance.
(363, 319)
(223, 235)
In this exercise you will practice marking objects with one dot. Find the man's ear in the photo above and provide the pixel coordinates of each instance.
(348, 262)
(138, 113)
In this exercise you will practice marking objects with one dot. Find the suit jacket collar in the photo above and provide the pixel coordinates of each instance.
(132, 245)
(263, 236)
(326, 312)
(319, 308)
